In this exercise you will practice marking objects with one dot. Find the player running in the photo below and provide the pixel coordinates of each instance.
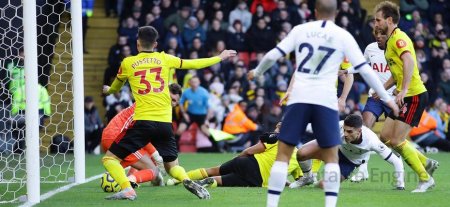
(148, 74)
(411, 94)
(320, 47)
(358, 142)
(141, 159)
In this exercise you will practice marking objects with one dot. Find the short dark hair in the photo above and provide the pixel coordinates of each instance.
(147, 35)
(326, 7)
(389, 9)
(175, 88)
(354, 121)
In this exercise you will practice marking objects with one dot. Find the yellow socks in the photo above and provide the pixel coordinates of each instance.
(423, 159)
(112, 165)
(409, 154)
(197, 174)
(178, 173)
(316, 164)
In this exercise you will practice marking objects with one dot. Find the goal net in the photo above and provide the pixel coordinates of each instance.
(53, 96)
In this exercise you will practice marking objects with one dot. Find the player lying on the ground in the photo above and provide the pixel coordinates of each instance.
(250, 169)
(143, 167)
(357, 143)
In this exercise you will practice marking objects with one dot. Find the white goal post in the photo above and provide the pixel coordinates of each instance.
(23, 172)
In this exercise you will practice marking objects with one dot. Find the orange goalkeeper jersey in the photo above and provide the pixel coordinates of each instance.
(119, 123)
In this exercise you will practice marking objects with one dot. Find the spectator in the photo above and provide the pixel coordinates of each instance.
(259, 14)
(268, 5)
(236, 38)
(407, 6)
(201, 17)
(197, 46)
(241, 13)
(167, 9)
(174, 33)
(441, 40)
(130, 29)
(180, 18)
(443, 87)
(193, 30)
(111, 71)
(158, 22)
(111, 6)
(273, 117)
(239, 76)
(93, 125)
(87, 11)
(114, 55)
(261, 37)
(215, 34)
(441, 116)
(428, 134)
(276, 13)
(220, 16)
(174, 45)
(116, 102)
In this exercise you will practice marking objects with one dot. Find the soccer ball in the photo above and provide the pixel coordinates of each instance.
(108, 184)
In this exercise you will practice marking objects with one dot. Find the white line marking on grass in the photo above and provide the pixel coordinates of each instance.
(51, 193)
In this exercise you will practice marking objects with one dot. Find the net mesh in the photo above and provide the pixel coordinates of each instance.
(55, 96)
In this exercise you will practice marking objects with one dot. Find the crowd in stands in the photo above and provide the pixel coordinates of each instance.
(199, 28)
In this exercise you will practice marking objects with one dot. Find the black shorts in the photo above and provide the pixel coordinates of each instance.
(140, 133)
(241, 172)
(412, 109)
(199, 119)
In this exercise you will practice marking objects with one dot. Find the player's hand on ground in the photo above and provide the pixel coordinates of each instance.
(284, 98)
(393, 105)
(105, 89)
(399, 98)
(251, 74)
(227, 54)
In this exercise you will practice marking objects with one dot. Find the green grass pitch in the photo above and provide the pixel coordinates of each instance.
(377, 191)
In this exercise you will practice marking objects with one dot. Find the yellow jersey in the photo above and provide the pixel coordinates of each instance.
(267, 158)
(148, 74)
(397, 44)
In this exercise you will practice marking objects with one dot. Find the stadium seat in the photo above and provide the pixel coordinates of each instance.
(187, 140)
(245, 57)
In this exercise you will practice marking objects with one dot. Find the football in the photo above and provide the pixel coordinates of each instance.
(108, 184)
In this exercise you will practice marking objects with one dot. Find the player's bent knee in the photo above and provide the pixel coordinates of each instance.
(168, 159)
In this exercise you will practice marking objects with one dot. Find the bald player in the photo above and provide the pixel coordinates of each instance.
(320, 47)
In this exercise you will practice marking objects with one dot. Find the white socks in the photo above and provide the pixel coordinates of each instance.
(277, 181)
(331, 183)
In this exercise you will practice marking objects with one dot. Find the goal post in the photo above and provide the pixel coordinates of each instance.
(32, 101)
(42, 41)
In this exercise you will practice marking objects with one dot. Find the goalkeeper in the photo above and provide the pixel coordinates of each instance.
(142, 160)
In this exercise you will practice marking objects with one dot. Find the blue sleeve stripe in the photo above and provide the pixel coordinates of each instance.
(360, 65)
(281, 51)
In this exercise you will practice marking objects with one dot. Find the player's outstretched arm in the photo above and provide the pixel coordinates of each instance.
(255, 149)
(268, 60)
(115, 87)
(345, 91)
(206, 62)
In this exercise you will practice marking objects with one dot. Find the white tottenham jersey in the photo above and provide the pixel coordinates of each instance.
(356, 153)
(320, 48)
(375, 57)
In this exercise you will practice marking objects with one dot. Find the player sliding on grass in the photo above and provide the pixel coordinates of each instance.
(141, 159)
(148, 74)
(358, 142)
(250, 169)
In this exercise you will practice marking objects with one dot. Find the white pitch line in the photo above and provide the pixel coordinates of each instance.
(51, 193)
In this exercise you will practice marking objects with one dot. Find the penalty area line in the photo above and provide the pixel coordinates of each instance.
(51, 193)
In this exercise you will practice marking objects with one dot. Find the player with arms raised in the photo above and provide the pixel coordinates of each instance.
(320, 47)
(148, 74)
(411, 94)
